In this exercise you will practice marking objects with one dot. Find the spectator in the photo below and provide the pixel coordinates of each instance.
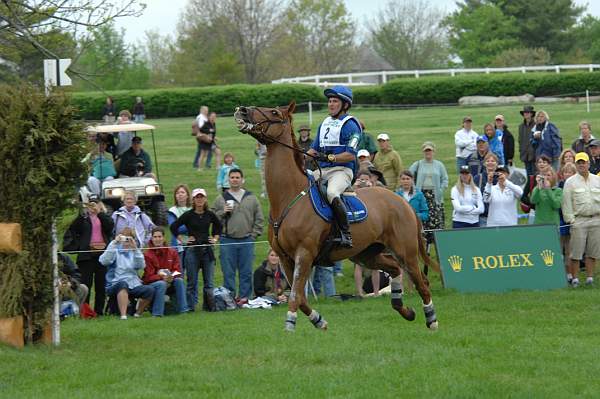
(135, 161)
(480, 181)
(467, 201)
(363, 179)
(201, 119)
(209, 130)
(567, 156)
(241, 215)
(270, 279)
(508, 140)
(261, 153)
(72, 280)
(123, 258)
(204, 229)
(413, 195)
(305, 142)
(565, 230)
(580, 209)
(324, 275)
(547, 198)
(526, 150)
(182, 202)
(494, 141)
(476, 161)
(359, 282)
(585, 137)
(543, 164)
(465, 141)
(223, 176)
(594, 154)
(130, 215)
(388, 161)
(502, 198)
(125, 138)
(546, 139)
(138, 111)
(91, 231)
(109, 111)
(103, 167)
(365, 164)
(163, 274)
(432, 179)
(367, 142)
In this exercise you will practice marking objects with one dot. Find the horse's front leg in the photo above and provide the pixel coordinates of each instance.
(302, 269)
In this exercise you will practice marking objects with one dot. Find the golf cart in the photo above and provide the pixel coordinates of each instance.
(150, 197)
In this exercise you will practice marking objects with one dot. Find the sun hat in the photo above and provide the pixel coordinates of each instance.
(582, 156)
(383, 136)
(428, 145)
(527, 108)
(363, 153)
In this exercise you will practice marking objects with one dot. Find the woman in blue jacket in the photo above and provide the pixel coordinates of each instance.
(546, 139)
(414, 196)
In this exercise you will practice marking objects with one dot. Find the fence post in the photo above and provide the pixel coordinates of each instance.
(56, 282)
(310, 113)
(587, 100)
(417, 74)
(383, 77)
(557, 68)
(349, 78)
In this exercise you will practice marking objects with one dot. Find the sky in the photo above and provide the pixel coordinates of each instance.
(163, 15)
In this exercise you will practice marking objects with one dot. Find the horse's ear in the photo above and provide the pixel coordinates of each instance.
(292, 107)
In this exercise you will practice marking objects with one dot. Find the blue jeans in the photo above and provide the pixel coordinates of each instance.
(161, 287)
(138, 118)
(141, 291)
(193, 263)
(209, 159)
(238, 257)
(324, 275)
(337, 267)
(197, 156)
(462, 225)
(530, 168)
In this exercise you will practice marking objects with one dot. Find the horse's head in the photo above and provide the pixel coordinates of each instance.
(264, 124)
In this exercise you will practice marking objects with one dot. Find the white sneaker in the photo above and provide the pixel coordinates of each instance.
(123, 317)
(589, 281)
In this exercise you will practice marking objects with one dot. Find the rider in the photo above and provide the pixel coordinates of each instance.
(335, 149)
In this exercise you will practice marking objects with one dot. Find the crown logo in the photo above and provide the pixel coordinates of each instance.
(547, 257)
(455, 262)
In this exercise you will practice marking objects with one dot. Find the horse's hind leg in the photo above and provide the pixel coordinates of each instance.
(412, 267)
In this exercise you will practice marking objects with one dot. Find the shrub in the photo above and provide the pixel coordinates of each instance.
(187, 101)
(41, 166)
(442, 90)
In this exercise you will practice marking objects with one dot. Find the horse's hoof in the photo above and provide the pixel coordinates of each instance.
(433, 326)
(410, 314)
(324, 326)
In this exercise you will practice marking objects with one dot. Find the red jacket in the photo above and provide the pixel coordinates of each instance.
(156, 259)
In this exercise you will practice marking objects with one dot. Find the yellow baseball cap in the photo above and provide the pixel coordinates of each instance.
(582, 156)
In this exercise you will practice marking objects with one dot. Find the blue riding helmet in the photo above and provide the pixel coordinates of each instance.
(342, 92)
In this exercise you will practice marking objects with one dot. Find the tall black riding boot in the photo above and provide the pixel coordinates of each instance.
(339, 211)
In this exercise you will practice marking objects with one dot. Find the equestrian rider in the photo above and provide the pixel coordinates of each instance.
(335, 148)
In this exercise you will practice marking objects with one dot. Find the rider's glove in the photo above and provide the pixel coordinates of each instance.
(322, 157)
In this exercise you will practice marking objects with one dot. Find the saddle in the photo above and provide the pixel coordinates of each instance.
(356, 211)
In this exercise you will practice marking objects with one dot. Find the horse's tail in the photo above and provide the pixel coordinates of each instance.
(423, 251)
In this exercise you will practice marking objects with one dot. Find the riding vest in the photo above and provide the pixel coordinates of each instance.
(334, 136)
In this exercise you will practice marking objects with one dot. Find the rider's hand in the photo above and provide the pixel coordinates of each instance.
(322, 157)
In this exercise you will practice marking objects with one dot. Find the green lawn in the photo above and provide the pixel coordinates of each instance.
(518, 344)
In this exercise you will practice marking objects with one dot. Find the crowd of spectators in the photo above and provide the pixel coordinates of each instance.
(561, 188)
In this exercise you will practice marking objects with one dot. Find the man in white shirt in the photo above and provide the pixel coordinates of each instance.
(465, 140)
(581, 209)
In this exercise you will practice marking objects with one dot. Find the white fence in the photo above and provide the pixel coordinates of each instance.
(381, 77)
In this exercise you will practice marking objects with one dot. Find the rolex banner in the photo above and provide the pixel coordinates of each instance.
(501, 258)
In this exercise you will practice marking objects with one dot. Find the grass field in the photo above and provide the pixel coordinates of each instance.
(517, 344)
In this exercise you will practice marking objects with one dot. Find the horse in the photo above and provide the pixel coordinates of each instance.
(389, 239)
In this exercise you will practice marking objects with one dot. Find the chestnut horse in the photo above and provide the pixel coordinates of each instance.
(296, 232)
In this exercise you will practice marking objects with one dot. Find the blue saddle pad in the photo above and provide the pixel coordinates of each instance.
(356, 209)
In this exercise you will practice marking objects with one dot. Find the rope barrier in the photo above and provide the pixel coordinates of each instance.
(267, 242)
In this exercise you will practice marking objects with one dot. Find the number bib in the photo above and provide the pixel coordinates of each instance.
(330, 132)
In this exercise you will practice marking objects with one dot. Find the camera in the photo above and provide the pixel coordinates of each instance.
(122, 238)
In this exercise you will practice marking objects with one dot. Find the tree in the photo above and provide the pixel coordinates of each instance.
(158, 52)
(543, 23)
(586, 37)
(479, 32)
(400, 36)
(521, 56)
(111, 63)
(247, 28)
(323, 32)
(37, 24)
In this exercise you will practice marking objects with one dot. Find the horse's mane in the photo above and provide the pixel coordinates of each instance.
(298, 157)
